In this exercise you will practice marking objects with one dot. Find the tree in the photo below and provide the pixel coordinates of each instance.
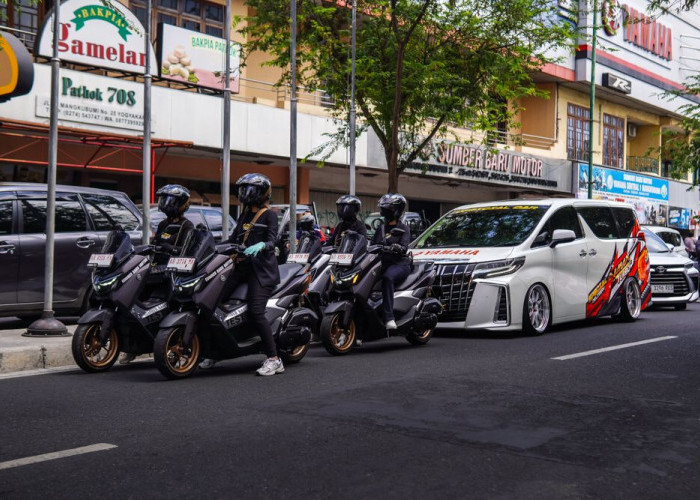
(422, 65)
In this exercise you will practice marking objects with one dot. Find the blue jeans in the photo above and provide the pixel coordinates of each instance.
(393, 275)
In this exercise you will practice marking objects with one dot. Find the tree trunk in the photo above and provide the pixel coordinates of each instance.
(392, 163)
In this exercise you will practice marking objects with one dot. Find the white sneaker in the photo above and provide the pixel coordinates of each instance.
(270, 367)
(207, 364)
(126, 358)
(391, 325)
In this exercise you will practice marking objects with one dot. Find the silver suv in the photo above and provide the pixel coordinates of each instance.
(84, 216)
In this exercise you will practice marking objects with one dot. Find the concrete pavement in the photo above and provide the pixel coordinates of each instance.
(18, 353)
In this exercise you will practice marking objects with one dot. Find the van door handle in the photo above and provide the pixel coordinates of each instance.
(6, 248)
(84, 243)
(582, 253)
(592, 253)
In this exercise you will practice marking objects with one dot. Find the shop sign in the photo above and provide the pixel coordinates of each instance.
(16, 68)
(611, 16)
(102, 33)
(95, 100)
(679, 217)
(195, 58)
(647, 34)
(616, 83)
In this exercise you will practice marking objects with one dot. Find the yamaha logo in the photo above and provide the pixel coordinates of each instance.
(660, 269)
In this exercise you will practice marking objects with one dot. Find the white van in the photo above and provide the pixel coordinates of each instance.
(525, 265)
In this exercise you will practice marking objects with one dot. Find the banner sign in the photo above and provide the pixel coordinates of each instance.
(101, 33)
(679, 217)
(16, 68)
(96, 100)
(187, 56)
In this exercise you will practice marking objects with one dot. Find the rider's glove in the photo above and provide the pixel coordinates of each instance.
(396, 248)
(254, 250)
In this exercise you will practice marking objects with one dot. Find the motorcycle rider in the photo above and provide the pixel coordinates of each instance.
(347, 206)
(173, 201)
(396, 264)
(307, 222)
(256, 228)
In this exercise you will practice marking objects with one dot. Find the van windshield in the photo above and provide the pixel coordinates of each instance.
(494, 226)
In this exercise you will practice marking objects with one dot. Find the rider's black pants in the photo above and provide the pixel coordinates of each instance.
(393, 275)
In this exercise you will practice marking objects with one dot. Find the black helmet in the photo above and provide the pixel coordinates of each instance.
(173, 200)
(348, 207)
(253, 189)
(306, 221)
(391, 206)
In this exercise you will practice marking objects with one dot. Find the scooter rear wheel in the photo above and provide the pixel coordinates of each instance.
(294, 355)
(420, 338)
(336, 339)
(173, 359)
(89, 353)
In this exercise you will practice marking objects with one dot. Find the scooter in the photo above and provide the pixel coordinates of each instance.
(130, 294)
(206, 325)
(355, 309)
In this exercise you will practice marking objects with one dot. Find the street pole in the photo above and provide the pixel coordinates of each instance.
(591, 107)
(146, 185)
(352, 97)
(226, 146)
(293, 133)
(48, 324)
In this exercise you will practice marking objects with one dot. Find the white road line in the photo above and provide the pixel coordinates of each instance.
(56, 455)
(613, 348)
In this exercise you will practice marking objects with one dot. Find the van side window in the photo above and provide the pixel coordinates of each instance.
(566, 218)
(70, 216)
(600, 220)
(106, 212)
(5, 217)
(625, 220)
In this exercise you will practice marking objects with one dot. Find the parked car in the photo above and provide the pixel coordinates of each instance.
(84, 217)
(526, 265)
(417, 223)
(671, 237)
(209, 217)
(674, 278)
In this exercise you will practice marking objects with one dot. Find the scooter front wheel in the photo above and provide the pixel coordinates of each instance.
(336, 339)
(172, 357)
(89, 353)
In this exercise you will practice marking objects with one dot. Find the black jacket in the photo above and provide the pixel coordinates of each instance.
(264, 264)
(384, 237)
(173, 240)
(357, 225)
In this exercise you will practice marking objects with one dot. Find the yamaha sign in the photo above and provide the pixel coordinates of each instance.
(616, 83)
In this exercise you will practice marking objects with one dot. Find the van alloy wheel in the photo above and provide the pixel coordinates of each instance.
(89, 353)
(537, 311)
(631, 303)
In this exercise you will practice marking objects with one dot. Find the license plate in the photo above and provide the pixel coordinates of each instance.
(101, 260)
(180, 264)
(343, 259)
(662, 288)
(299, 258)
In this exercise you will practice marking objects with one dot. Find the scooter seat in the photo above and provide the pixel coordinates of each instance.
(417, 272)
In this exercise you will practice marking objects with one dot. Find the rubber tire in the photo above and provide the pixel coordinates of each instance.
(528, 329)
(680, 307)
(414, 339)
(289, 359)
(625, 314)
(160, 355)
(77, 350)
(326, 340)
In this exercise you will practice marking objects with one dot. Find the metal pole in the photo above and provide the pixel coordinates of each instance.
(352, 98)
(293, 133)
(48, 324)
(226, 146)
(146, 187)
(591, 107)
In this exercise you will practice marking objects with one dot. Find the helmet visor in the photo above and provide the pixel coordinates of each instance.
(169, 205)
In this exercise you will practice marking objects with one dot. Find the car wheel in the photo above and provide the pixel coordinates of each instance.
(537, 310)
(681, 307)
(631, 303)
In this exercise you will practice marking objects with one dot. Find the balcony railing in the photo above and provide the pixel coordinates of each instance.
(643, 164)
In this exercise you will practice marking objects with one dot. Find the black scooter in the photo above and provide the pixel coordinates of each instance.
(130, 297)
(207, 325)
(355, 309)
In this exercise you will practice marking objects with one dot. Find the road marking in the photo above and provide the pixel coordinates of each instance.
(613, 348)
(56, 455)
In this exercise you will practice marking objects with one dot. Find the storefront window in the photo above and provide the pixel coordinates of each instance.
(25, 16)
(613, 140)
(189, 14)
(577, 131)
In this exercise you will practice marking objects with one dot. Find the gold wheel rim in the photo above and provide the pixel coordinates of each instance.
(94, 352)
(342, 338)
(180, 358)
(425, 334)
(297, 351)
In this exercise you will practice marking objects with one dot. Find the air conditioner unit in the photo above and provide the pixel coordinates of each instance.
(631, 130)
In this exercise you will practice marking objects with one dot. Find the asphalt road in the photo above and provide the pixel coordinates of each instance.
(467, 416)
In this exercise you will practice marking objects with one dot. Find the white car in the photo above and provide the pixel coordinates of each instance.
(525, 265)
(674, 278)
(671, 237)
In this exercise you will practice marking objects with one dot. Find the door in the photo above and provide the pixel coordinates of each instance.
(569, 267)
(9, 254)
(74, 244)
(604, 254)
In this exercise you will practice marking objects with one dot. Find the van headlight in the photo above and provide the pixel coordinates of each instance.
(498, 267)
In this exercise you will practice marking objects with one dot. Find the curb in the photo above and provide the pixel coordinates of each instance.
(35, 353)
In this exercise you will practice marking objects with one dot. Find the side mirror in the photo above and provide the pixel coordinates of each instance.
(562, 236)
(670, 246)
(541, 238)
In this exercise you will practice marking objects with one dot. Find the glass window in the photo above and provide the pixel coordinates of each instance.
(490, 226)
(566, 218)
(214, 31)
(193, 8)
(214, 12)
(168, 4)
(600, 220)
(70, 216)
(625, 220)
(577, 132)
(213, 218)
(654, 243)
(5, 217)
(613, 140)
(195, 217)
(106, 212)
(194, 15)
(167, 19)
(190, 25)
(669, 237)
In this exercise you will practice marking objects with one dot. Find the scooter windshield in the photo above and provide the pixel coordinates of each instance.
(119, 244)
(309, 244)
(199, 244)
(353, 243)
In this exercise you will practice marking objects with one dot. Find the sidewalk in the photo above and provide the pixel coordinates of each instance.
(18, 353)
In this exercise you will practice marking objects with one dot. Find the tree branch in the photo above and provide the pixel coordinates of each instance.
(419, 148)
(371, 120)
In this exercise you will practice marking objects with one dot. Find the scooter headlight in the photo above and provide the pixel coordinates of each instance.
(103, 285)
(498, 268)
(346, 280)
(189, 286)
